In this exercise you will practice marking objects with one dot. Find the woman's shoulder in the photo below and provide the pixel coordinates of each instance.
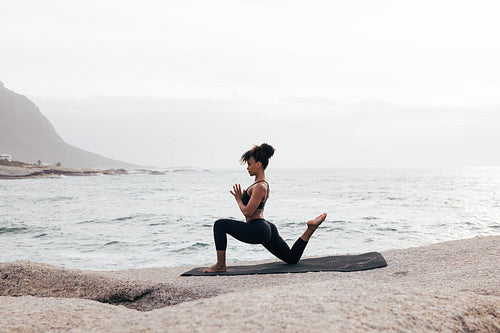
(261, 185)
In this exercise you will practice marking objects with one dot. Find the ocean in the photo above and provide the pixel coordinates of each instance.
(142, 220)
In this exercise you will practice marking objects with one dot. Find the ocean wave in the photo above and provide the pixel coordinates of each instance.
(157, 223)
(387, 229)
(395, 198)
(112, 243)
(54, 199)
(14, 230)
(334, 225)
(194, 247)
(89, 221)
(124, 218)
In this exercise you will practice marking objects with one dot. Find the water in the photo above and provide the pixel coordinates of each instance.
(137, 221)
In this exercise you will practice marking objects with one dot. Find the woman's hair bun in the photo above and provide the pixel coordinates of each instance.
(260, 153)
(268, 150)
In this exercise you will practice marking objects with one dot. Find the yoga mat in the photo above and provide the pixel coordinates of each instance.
(344, 263)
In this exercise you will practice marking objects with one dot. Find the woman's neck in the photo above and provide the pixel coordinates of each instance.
(260, 176)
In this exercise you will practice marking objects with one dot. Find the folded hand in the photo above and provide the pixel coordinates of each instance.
(237, 192)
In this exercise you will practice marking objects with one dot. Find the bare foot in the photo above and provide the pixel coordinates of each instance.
(314, 223)
(215, 268)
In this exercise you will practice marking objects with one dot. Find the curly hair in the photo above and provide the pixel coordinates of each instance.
(260, 154)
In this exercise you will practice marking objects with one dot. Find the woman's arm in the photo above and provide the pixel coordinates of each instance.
(258, 193)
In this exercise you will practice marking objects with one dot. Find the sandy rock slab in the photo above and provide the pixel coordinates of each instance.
(348, 306)
(25, 278)
(48, 314)
(446, 287)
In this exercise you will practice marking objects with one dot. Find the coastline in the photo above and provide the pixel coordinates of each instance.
(35, 171)
(450, 286)
(30, 171)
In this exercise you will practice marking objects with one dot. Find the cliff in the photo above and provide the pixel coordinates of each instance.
(28, 136)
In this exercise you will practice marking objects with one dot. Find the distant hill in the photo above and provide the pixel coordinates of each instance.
(28, 136)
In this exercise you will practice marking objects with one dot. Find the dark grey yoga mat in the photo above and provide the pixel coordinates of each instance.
(344, 263)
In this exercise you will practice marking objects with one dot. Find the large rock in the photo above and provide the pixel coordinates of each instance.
(28, 136)
(446, 287)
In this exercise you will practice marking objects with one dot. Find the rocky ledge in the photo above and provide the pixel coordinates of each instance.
(31, 171)
(446, 287)
(20, 170)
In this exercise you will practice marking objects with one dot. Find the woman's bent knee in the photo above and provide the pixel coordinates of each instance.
(218, 223)
(292, 261)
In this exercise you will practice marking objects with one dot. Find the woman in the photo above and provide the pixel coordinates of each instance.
(256, 230)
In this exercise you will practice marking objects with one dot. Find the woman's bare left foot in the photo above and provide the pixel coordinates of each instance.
(215, 269)
(315, 223)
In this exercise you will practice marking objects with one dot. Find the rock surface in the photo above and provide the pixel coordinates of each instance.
(451, 287)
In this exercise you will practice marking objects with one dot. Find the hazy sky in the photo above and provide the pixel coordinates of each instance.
(352, 82)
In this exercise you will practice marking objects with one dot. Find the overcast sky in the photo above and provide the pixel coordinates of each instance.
(350, 82)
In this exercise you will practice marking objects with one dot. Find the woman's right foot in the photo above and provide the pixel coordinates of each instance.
(215, 269)
(315, 223)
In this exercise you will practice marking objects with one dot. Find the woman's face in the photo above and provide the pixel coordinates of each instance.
(252, 166)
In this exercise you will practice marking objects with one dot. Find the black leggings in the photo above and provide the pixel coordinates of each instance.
(258, 231)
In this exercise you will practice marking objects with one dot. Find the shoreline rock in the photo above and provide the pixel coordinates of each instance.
(451, 286)
(31, 171)
(34, 171)
(21, 170)
(16, 279)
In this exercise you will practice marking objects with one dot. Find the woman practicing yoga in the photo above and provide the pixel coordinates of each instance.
(256, 230)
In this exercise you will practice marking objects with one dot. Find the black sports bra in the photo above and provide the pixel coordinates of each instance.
(245, 198)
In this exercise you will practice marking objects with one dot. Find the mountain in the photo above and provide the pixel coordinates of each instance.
(28, 136)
